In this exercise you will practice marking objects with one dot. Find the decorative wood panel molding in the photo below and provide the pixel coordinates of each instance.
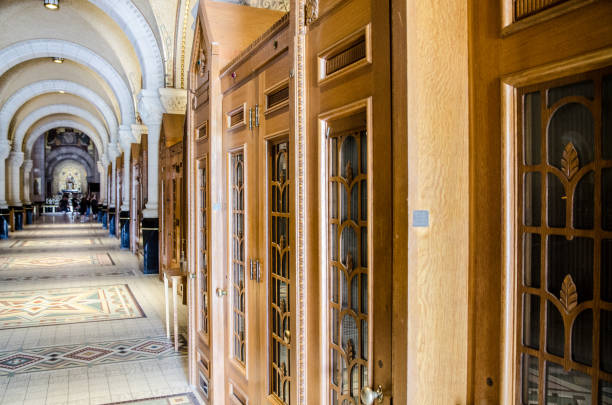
(347, 55)
(277, 97)
(236, 118)
(532, 13)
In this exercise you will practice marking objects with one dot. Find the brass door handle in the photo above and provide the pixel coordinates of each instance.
(368, 396)
(221, 292)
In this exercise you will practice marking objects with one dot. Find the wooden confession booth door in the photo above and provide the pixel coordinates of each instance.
(554, 63)
(351, 242)
(243, 378)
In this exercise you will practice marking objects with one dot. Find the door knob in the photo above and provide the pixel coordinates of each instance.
(368, 396)
(221, 292)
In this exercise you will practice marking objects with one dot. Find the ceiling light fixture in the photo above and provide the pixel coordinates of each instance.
(62, 92)
(57, 59)
(51, 4)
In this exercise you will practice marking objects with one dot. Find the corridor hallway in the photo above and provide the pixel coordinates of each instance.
(80, 323)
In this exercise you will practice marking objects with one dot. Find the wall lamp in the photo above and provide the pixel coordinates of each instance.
(51, 4)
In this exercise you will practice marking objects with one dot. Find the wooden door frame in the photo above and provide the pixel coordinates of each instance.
(399, 146)
(509, 392)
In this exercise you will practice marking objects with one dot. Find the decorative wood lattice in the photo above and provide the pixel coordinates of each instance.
(280, 277)
(238, 259)
(564, 308)
(348, 264)
(204, 290)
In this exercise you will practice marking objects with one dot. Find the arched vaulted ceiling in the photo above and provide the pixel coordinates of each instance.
(111, 50)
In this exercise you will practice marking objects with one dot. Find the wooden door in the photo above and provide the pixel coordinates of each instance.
(243, 378)
(176, 218)
(350, 181)
(203, 290)
(276, 272)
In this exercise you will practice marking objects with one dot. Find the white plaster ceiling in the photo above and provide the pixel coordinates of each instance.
(113, 49)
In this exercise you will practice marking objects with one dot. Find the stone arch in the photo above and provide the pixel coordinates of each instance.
(68, 109)
(50, 86)
(37, 132)
(71, 153)
(140, 34)
(40, 48)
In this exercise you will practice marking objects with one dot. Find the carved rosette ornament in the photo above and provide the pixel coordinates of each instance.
(311, 11)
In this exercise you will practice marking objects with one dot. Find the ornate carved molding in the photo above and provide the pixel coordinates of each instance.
(150, 107)
(174, 101)
(138, 130)
(311, 11)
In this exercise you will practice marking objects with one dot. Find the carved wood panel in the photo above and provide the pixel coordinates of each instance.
(348, 263)
(564, 276)
(238, 260)
(279, 355)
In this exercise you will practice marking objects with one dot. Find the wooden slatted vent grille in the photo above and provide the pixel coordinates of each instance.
(237, 117)
(355, 51)
(278, 97)
(525, 8)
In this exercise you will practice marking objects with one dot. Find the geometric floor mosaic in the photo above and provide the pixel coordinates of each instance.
(9, 263)
(19, 309)
(55, 243)
(63, 276)
(180, 399)
(71, 356)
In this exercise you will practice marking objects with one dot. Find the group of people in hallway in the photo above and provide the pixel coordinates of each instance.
(85, 206)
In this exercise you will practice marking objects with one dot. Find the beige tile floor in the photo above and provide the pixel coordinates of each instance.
(90, 384)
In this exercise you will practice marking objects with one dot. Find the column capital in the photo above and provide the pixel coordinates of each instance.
(150, 107)
(173, 100)
(27, 165)
(16, 159)
(138, 130)
(113, 151)
(126, 136)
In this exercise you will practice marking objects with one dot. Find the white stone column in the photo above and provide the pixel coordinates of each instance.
(113, 152)
(27, 181)
(102, 169)
(5, 148)
(15, 162)
(151, 112)
(126, 138)
(113, 199)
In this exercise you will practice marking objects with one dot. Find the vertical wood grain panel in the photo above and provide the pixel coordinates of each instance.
(438, 174)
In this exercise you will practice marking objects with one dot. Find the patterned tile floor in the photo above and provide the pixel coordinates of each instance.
(91, 362)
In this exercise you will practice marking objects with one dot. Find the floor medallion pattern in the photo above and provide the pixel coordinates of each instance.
(56, 243)
(20, 309)
(71, 356)
(63, 276)
(22, 262)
